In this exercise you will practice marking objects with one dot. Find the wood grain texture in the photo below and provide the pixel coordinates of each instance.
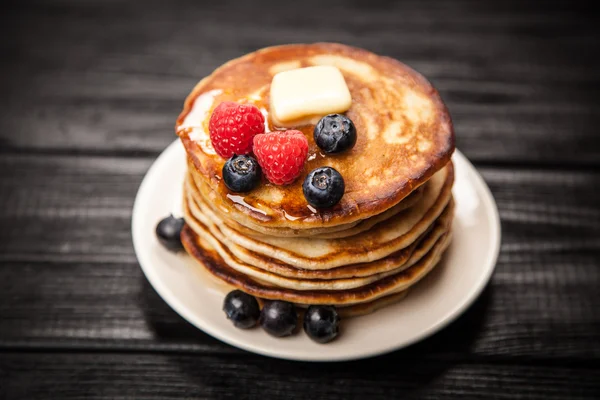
(69, 276)
(119, 376)
(98, 76)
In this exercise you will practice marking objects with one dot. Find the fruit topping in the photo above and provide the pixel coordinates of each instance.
(323, 187)
(335, 133)
(168, 232)
(242, 309)
(279, 318)
(281, 155)
(232, 127)
(241, 173)
(321, 323)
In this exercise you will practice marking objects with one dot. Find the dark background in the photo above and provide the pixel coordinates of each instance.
(89, 92)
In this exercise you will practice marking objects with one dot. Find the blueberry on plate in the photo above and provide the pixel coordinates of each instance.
(321, 323)
(241, 173)
(323, 187)
(168, 232)
(335, 133)
(279, 318)
(242, 309)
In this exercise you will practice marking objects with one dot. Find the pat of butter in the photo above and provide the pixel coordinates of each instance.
(299, 95)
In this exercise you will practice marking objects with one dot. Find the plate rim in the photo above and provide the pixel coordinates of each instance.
(198, 322)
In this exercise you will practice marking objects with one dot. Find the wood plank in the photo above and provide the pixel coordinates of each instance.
(87, 203)
(69, 277)
(141, 376)
(112, 76)
(540, 310)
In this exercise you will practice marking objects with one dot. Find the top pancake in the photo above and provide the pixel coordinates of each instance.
(405, 134)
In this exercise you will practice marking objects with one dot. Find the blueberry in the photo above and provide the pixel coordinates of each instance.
(241, 173)
(321, 323)
(335, 133)
(323, 187)
(241, 308)
(279, 318)
(168, 232)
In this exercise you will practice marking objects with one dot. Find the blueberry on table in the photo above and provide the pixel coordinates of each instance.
(241, 173)
(242, 309)
(168, 232)
(321, 323)
(323, 187)
(279, 318)
(335, 133)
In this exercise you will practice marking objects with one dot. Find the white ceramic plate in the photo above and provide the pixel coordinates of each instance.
(433, 303)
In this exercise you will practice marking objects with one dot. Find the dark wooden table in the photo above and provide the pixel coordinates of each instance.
(89, 93)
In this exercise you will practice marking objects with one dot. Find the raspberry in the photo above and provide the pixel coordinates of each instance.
(232, 127)
(281, 155)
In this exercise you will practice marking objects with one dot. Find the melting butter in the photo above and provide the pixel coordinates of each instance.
(306, 94)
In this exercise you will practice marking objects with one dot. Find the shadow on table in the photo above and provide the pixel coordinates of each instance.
(169, 327)
(216, 365)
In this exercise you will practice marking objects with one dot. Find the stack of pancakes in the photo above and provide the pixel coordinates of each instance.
(393, 222)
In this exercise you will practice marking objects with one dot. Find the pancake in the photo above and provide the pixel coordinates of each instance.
(390, 228)
(382, 240)
(228, 210)
(273, 275)
(302, 284)
(208, 257)
(344, 311)
(405, 135)
(207, 229)
(220, 208)
(356, 310)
